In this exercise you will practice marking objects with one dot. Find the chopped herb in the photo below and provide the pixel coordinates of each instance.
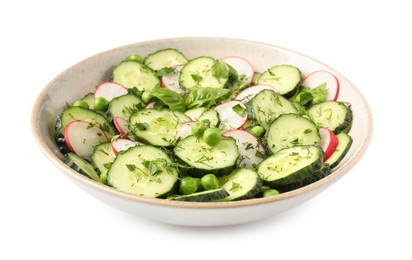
(235, 186)
(142, 126)
(165, 71)
(220, 70)
(295, 141)
(131, 167)
(308, 131)
(107, 165)
(197, 78)
(259, 154)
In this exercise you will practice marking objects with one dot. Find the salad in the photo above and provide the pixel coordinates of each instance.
(207, 128)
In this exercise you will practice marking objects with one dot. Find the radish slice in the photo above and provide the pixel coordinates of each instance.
(171, 81)
(250, 92)
(232, 115)
(110, 90)
(81, 138)
(184, 130)
(319, 77)
(121, 125)
(242, 66)
(120, 144)
(250, 150)
(328, 142)
(149, 105)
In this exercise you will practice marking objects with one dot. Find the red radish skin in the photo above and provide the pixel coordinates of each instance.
(121, 144)
(149, 105)
(184, 130)
(121, 125)
(110, 90)
(242, 66)
(229, 119)
(81, 137)
(318, 77)
(248, 93)
(328, 142)
(249, 148)
(171, 81)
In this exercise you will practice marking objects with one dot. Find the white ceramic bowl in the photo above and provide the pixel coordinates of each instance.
(83, 77)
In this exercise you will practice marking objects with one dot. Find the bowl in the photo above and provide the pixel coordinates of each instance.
(83, 77)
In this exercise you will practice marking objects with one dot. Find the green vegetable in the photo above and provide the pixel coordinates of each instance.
(81, 103)
(309, 97)
(205, 97)
(169, 97)
(101, 104)
(147, 96)
(188, 185)
(220, 70)
(198, 129)
(212, 136)
(271, 192)
(209, 182)
(257, 131)
(135, 57)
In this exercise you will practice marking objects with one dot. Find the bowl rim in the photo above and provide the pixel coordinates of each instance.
(342, 170)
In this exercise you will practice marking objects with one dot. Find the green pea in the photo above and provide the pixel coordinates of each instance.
(257, 131)
(147, 96)
(101, 104)
(210, 182)
(198, 129)
(270, 192)
(188, 185)
(135, 57)
(212, 136)
(81, 103)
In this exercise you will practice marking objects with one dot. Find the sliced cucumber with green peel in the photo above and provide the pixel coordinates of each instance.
(204, 113)
(290, 130)
(202, 196)
(165, 58)
(333, 115)
(290, 165)
(203, 72)
(344, 144)
(157, 127)
(143, 170)
(102, 157)
(124, 106)
(132, 74)
(266, 106)
(204, 158)
(284, 78)
(81, 166)
(241, 184)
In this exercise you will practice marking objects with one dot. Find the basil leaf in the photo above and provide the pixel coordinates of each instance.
(205, 97)
(165, 71)
(220, 70)
(170, 98)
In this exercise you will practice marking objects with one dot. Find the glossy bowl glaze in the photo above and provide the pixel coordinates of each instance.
(84, 76)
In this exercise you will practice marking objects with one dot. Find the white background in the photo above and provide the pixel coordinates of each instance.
(366, 215)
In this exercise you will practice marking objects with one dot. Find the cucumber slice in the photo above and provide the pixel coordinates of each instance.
(241, 184)
(81, 166)
(89, 99)
(124, 106)
(267, 105)
(335, 116)
(202, 72)
(290, 130)
(102, 157)
(344, 144)
(165, 58)
(202, 196)
(290, 165)
(203, 113)
(132, 74)
(207, 159)
(157, 127)
(284, 78)
(143, 170)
